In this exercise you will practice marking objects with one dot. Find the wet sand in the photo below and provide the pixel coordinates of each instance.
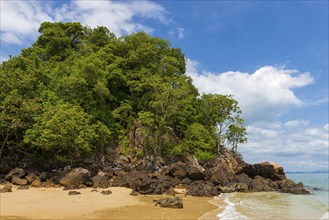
(54, 203)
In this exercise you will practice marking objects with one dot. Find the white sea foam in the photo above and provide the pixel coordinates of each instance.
(325, 216)
(229, 212)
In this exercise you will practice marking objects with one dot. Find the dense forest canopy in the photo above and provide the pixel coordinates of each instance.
(79, 91)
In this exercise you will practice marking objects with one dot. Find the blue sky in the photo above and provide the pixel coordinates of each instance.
(271, 55)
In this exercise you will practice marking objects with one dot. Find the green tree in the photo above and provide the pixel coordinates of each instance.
(198, 141)
(224, 114)
(66, 132)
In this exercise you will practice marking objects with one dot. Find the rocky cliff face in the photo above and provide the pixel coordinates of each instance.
(223, 175)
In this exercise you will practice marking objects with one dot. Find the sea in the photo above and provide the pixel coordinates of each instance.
(275, 205)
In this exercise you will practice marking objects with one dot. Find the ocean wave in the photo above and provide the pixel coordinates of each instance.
(229, 212)
(325, 216)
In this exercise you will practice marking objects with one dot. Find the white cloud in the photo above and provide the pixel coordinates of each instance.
(20, 20)
(262, 95)
(296, 123)
(180, 33)
(261, 132)
(285, 145)
(326, 127)
(118, 16)
(2, 59)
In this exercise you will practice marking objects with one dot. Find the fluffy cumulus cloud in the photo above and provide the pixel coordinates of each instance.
(296, 123)
(289, 146)
(118, 16)
(262, 95)
(20, 20)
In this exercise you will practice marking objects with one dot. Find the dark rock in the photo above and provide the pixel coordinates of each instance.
(164, 183)
(6, 188)
(89, 183)
(101, 181)
(134, 193)
(186, 181)
(43, 176)
(194, 170)
(266, 169)
(71, 193)
(227, 189)
(174, 202)
(289, 186)
(36, 183)
(222, 170)
(178, 170)
(31, 177)
(94, 190)
(106, 192)
(170, 192)
(18, 181)
(16, 172)
(144, 183)
(195, 173)
(200, 188)
(123, 163)
(119, 172)
(108, 171)
(261, 184)
(243, 178)
(75, 177)
(49, 184)
(23, 187)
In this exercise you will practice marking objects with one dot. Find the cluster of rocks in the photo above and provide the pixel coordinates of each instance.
(223, 175)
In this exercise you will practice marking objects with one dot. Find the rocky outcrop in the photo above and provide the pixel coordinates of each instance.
(224, 174)
(289, 186)
(75, 177)
(144, 183)
(222, 170)
(101, 180)
(266, 169)
(200, 188)
(16, 172)
(174, 202)
(18, 181)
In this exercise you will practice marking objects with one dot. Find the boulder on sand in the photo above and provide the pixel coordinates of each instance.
(75, 177)
(101, 180)
(173, 202)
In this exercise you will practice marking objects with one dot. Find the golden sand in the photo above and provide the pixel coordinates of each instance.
(54, 203)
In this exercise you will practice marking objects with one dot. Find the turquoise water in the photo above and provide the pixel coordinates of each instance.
(274, 205)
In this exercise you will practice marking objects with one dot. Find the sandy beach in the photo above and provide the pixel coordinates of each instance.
(54, 203)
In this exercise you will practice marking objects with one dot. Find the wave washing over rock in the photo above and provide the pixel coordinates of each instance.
(274, 205)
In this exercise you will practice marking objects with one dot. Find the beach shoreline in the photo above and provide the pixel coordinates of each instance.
(55, 203)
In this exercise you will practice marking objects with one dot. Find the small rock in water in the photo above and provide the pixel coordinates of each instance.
(106, 192)
(71, 193)
(174, 202)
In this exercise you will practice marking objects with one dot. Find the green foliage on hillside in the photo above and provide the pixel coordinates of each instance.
(78, 91)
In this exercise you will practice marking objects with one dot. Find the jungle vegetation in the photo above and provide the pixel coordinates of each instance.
(78, 91)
